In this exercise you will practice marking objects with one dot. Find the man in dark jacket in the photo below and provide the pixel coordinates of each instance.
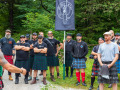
(79, 51)
(7, 45)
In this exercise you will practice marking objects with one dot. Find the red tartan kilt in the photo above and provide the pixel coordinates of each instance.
(9, 59)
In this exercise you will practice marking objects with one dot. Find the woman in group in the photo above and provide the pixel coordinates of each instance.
(40, 62)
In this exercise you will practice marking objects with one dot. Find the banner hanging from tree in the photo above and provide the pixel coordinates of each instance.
(65, 16)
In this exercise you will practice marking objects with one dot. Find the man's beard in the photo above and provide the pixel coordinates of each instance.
(68, 39)
(50, 37)
(106, 40)
(7, 36)
(78, 39)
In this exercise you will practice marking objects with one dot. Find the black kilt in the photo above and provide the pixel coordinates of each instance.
(31, 61)
(40, 62)
(23, 63)
(95, 68)
(113, 75)
(68, 59)
(52, 60)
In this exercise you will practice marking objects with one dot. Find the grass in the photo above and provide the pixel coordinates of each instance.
(70, 82)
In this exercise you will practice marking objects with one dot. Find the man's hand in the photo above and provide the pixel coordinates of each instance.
(56, 54)
(95, 57)
(24, 71)
(109, 65)
(63, 41)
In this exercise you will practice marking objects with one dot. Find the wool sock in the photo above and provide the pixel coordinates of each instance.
(78, 76)
(83, 76)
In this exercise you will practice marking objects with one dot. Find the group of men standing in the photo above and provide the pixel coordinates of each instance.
(40, 52)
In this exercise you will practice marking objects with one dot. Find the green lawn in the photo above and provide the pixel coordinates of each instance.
(70, 82)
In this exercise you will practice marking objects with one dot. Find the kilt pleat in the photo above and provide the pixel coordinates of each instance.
(31, 61)
(113, 75)
(118, 66)
(95, 69)
(23, 63)
(52, 60)
(79, 63)
(68, 59)
(40, 62)
(9, 58)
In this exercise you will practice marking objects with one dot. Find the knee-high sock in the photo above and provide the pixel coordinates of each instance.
(67, 71)
(78, 76)
(83, 76)
(71, 71)
(92, 80)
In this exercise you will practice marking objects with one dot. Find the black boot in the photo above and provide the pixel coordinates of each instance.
(26, 80)
(91, 87)
(84, 84)
(78, 83)
(44, 81)
(17, 81)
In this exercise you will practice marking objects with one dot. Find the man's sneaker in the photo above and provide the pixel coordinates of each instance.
(84, 84)
(29, 78)
(78, 83)
(91, 87)
(110, 86)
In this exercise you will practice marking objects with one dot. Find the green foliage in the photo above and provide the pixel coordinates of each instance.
(92, 17)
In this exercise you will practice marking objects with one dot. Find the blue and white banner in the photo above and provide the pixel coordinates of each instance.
(65, 16)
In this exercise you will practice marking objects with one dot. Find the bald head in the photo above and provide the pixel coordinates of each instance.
(112, 32)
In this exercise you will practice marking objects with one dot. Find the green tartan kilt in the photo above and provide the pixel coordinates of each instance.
(68, 59)
(40, 63)
(53, 60)
(23, 63)
(31, 61)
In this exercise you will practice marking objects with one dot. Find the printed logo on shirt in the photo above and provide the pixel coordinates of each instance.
(10, 42)
(81, 46)
(41, 46)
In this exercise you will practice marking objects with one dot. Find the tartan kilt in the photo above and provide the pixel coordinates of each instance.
(68, 59)
(95, 68)
(31, 61)
(52, 60)
(23, 63)
(118, 66)
(78, 63)
(1, 84)
(9, 58)
(40, 62)
(113, 75)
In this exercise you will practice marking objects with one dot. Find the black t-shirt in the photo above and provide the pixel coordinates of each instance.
(52, 46)
(7, 45)
(20, 54)
(40, 46)
(31, 50)
(68, 45)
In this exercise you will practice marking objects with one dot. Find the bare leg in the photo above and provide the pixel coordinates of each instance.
(114, 86)
(35, 73)
(101, 86)
(44, 73)
(30, 72)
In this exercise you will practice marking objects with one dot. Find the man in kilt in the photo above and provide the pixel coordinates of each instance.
(40, 62)
(52, 54)
(42, 34)
(79, 51)
(68, 56)
(32, 43)
(7, 47)
(22, 58)
(108, 55)
(95, 66)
